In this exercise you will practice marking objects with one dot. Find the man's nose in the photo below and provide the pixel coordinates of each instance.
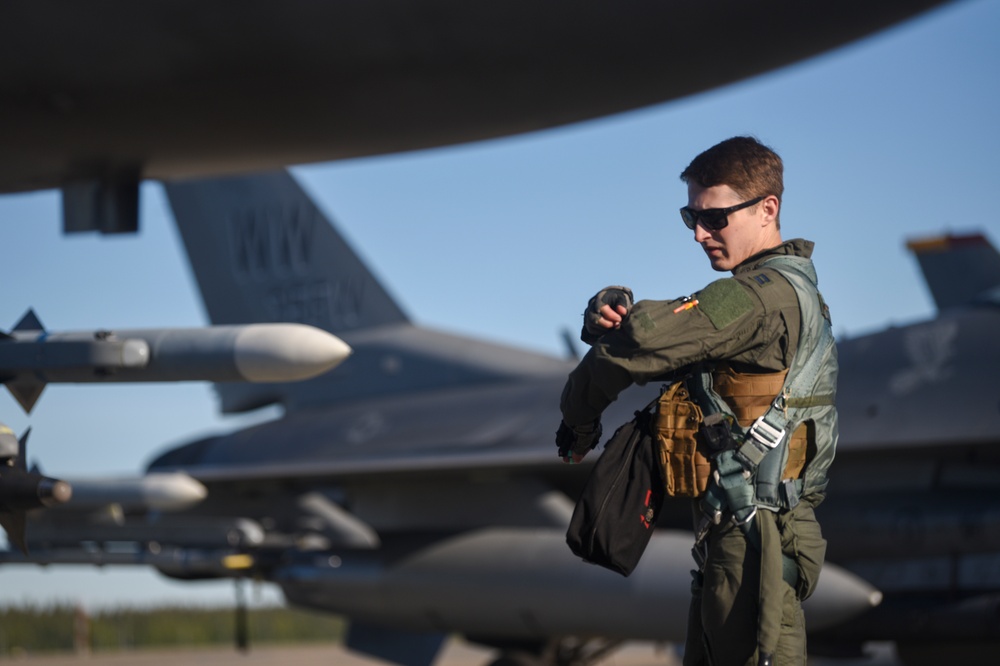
(701, 234)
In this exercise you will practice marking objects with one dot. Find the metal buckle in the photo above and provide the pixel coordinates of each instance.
(745, 520)
(765, 433)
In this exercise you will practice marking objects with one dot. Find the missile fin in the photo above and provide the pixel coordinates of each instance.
(13, 523)
(26, 393)
(22, 451)
(29, 322)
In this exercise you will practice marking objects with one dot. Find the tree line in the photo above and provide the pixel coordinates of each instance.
(65, 628)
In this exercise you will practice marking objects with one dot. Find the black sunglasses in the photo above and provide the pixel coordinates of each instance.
(713, 219)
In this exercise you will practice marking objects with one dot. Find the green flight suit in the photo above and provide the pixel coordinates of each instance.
(751, 321)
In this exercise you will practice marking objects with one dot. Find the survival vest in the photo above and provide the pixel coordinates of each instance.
(806, 397)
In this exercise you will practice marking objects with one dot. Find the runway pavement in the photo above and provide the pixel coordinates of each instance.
(456, 653)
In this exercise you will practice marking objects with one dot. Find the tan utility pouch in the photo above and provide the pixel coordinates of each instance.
(686, 469)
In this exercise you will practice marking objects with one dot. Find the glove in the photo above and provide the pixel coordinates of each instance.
(579, 439)
(613, 296)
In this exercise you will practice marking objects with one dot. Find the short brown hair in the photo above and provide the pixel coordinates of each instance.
(743, 163)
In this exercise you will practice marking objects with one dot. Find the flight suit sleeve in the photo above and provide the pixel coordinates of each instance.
(657, 338)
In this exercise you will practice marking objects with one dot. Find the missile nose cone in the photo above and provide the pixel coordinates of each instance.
(286, 352)
(53, 491)
(839, 596)
(135, 354)
(172, 492)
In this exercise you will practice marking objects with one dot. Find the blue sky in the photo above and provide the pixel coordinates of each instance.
(891, 138)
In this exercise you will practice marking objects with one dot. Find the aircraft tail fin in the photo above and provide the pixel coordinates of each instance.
(958, 269)
(261, 251)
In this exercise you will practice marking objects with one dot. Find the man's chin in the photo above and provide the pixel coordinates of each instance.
(719, 264)
(717, 258)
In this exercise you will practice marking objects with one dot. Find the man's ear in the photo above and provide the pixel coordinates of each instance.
(770, 207)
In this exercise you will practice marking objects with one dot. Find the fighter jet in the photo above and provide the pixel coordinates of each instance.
(96, 95)
(415, 488)
(913, 507)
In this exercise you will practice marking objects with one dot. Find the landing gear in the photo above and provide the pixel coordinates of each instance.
(241, 629)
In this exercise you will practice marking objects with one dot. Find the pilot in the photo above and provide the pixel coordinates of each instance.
(754, 352)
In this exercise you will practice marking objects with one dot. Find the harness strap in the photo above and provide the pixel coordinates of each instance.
(736, 470)
(768, 430)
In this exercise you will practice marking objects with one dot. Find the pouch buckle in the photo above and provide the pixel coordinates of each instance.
(765, 433)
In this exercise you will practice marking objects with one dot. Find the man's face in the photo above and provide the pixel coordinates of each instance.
(750, 230)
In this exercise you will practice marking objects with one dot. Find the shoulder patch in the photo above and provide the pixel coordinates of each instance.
(724, 301)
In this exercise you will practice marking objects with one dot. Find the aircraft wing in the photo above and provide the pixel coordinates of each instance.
(95, 96)
(509, 426)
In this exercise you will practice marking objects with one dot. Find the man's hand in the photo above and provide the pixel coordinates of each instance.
(606, 311)
(575, 442)
(611, 318)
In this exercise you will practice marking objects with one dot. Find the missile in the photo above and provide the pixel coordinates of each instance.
(172, 491)
(21, 490)
(64, 529)
(173, 561)
(31, 357)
